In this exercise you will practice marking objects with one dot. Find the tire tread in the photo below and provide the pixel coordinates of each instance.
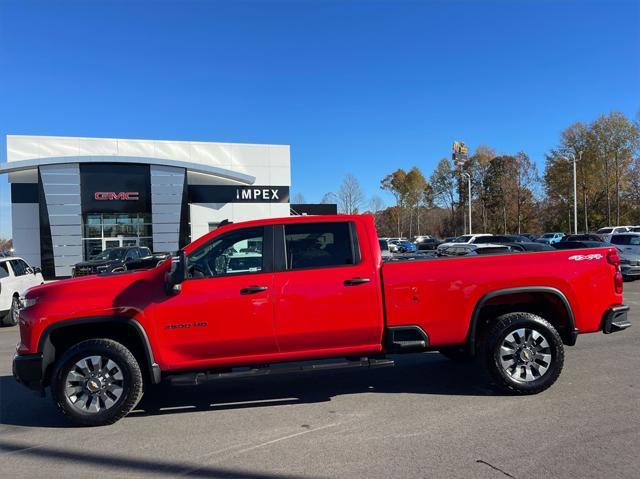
(134, 394)
(496, 331)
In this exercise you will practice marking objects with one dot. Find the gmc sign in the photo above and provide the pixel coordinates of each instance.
(111, 195)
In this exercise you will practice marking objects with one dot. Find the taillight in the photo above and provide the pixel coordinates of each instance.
(614, 259)
(618, 282)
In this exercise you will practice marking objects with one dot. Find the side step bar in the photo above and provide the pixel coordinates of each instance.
(195, 378)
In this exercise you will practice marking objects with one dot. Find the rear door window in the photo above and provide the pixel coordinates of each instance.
(318, 245)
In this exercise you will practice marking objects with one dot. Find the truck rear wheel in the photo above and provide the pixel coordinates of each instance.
(97, 382)
(523, 353)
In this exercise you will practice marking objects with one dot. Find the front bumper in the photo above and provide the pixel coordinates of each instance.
(27, 370)
(615, 319)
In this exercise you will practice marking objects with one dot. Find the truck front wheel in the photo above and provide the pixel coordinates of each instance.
(523, 353)
(97, 382)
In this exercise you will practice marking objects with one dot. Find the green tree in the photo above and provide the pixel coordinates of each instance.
(395, 183)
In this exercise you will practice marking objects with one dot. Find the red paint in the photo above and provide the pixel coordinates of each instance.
(310, 314)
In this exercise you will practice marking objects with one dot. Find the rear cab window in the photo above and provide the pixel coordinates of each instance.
(320, 245)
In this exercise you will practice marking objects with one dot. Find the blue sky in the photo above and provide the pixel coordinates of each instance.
(353, 86)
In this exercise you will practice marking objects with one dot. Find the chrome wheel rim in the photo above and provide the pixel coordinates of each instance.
(525, 355)
(94, 384)
(15, 311)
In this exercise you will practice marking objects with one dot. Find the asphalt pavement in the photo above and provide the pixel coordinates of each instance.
(426, 417)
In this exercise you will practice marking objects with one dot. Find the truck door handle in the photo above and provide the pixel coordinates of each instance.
(356, 281)
(253, 289)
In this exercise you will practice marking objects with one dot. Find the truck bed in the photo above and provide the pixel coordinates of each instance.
(440, 294)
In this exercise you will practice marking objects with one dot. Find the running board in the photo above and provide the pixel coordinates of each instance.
(195, 378)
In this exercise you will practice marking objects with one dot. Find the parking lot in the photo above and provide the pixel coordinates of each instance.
(427, 417)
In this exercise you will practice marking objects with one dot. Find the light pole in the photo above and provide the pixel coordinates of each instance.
(575, 191)
(469, 190)
(460, 157)
(468, 176)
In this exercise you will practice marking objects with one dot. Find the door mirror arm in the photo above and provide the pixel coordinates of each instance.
(177, 274)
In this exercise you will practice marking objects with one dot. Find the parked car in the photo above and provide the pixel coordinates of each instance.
(608, 231)
(530, 236)
(629, 265)
(406, 247)
(16, 276)
(393, 245)
(583, 237)
(627, 242)
(426, 243)
(550, 238)
(320, 294)
(579, 244)
(384, 249)
(500, 239)
(464, 239)
(529, 246)
(114, 260)
(473, 249)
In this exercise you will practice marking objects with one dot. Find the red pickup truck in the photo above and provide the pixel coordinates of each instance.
(305, 293)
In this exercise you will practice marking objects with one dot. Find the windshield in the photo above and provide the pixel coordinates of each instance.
(549, 235)
(111, 254)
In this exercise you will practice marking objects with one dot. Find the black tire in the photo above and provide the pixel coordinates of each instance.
(131, 383)
(523, 379)
(11, 318)
(459, 354)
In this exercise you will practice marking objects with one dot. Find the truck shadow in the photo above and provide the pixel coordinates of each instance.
(426, 374)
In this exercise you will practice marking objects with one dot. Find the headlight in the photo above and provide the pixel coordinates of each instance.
(27, 302)
(102, 269)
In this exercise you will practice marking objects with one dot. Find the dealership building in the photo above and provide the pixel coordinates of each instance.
(74, 197)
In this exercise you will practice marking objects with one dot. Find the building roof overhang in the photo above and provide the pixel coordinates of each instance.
(214, 171)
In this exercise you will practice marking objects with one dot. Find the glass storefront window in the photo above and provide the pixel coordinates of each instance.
(102, 231)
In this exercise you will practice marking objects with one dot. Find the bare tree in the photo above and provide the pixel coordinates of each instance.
(376, 204)
(329, 198)
(299, 199)
(350, 195)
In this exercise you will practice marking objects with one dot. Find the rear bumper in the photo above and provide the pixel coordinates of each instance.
(615, 319)
(27, 370)
(629, 271)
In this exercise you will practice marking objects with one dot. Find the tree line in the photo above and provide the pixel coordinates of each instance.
(508, 193)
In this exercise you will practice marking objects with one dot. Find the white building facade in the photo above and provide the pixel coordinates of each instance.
(74, 197)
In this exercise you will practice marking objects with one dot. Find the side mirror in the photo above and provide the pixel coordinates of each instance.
(36, 270)
(177, 274)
